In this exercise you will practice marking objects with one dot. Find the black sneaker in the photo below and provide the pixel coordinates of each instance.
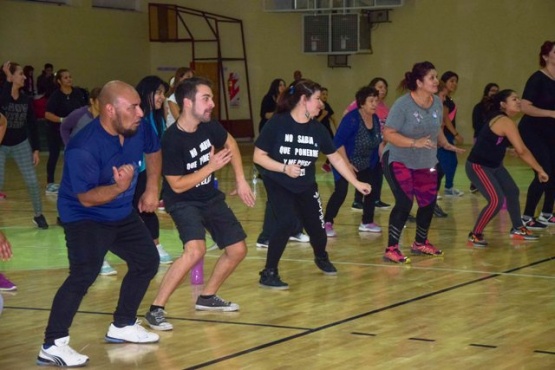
(357, 207)
(157, 320)
(382, 205)
(269, 278)
(411, 218)
(324, 264)
(473, 188)
(533, 224)
(215, 303)
(438, 212)
(40, 221)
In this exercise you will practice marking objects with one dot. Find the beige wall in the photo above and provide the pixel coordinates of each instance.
(483, 41)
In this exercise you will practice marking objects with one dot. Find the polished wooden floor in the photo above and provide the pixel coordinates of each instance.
(488, 308)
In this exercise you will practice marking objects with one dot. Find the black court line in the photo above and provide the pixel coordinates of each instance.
(369, 313)
(544, 352)
(482, 345)
(364, 334)
(423, 339)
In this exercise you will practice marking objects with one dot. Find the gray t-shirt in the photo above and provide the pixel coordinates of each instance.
(410, 120)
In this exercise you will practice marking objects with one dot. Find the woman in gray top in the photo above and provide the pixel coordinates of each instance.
(413, 133)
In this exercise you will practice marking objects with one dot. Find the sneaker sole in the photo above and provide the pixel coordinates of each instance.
(161, 328)
(261, 246)
(110, 273)
(419, 253)
(41, 361)
(8, 289)
(298, 240)
(273, 287)
(369, 231)
(406, 261)
(118, 340)
(37, 225)
(331, 236)
(216, 309)
(356, 209)
(526, 238)
(166, 262)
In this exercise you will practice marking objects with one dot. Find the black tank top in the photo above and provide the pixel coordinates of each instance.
(489, 149)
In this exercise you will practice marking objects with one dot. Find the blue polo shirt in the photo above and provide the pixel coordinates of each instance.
(88, 161)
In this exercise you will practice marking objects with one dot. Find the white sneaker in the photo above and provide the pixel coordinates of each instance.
(131, 334)
(165, 258)
(61, 355)
(300, 237)
(107, 270)
(263, 245)
(369, 228)
(330, 232)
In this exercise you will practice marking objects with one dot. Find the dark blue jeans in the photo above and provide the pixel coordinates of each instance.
(87, 244)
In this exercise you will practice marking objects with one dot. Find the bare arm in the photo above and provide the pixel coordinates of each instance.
(182, 183)
(392, 136)
(149, 199)
(174, 109)
(529, 109)
(53, 118)
(3, 126)
(262, 158)
(449, 126)
(243, 189)
(506, 127)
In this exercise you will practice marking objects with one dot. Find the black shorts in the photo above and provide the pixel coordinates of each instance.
(193, 218)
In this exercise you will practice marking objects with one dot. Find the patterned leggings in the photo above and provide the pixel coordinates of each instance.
(23, 156)
(407, 184)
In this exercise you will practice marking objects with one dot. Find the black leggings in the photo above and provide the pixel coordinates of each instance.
(285, 205)
(368, 175)
(55, 144)
(541, 145)
(377, 189)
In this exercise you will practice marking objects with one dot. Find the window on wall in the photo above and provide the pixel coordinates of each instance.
(133, 5)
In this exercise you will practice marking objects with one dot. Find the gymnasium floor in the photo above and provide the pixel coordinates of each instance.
(475, 308)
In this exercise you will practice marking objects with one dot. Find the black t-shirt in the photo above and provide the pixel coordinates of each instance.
(290, 142)
(184, 153)
(22, 123)
(268, 106)
(540, 90)
(62, 104)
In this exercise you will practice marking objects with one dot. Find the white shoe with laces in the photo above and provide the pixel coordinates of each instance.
(131, 334)
(61, 354)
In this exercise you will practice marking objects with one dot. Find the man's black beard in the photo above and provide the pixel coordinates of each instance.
(127, 133)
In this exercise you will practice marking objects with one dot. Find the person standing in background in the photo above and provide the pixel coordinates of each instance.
(327, 119)
(62, 102)
(537, 128)
(21, 138)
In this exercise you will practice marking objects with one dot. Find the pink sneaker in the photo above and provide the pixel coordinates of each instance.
(5, 284)
(426, 248)
(394, 254)
(330, 232)
(3, 195)
(161, 206)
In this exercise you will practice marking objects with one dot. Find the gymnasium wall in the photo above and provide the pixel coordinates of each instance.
(483, 41)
